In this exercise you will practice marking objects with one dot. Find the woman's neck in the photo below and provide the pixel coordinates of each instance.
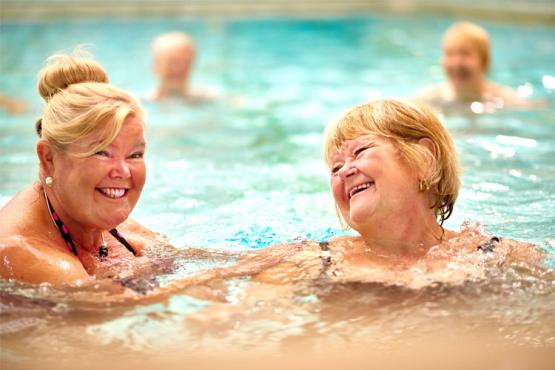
(404, 237)
(87, 238)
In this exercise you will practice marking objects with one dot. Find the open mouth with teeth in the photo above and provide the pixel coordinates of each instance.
(113, 193)
(360, 188)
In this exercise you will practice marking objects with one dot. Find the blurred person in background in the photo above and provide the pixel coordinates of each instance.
(174, 55)
(11, 105)
(466, 60)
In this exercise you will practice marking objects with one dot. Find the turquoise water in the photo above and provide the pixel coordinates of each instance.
(247, 172)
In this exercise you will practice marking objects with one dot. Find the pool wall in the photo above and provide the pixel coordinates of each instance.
(536, 11)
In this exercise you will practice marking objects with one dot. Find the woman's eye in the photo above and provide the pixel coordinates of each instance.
(360, 150)
(102, 153)
(336, 168)
(137, 155)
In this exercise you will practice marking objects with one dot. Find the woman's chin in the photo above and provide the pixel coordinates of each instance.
(360, 216)
(357, 222)
(115, 219)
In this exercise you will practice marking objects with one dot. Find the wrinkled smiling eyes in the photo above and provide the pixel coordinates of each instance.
(137, 155)
(106, 154)
(102, 153)
(335, 169)
(360, 150)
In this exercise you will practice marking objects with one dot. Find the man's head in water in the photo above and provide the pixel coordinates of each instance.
(466, 56)
(173, 54)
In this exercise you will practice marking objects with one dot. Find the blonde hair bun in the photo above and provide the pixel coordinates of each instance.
(62, 71)
(81, 101)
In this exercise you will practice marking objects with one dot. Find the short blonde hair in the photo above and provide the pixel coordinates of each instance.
(80, 101)
(404, 123)
(475, 34)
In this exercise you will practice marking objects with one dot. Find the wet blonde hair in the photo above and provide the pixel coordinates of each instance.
(404, 123)
(80, 101)
(473, 33)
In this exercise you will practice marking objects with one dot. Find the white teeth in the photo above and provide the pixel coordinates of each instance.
(113, 192)
(360, 187)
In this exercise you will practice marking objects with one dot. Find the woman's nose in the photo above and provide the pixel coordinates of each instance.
(347, 170)
(120, 170)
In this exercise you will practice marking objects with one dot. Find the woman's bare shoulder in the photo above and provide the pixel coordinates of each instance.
(26, 251)
(138, 235)
(31, 259)
(522, 252)
(473, 239)
(134, 227)
(344, 240)
(19, 215)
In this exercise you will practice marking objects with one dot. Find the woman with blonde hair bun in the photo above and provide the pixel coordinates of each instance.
(91, 145)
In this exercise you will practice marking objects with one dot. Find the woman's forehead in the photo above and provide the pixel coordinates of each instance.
(87, 142)
(131, 130)
(349, 145)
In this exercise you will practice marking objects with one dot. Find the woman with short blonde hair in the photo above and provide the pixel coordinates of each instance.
(404, 124)
(395, 178)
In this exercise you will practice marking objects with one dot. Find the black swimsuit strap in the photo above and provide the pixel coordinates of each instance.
(325, 256)
(64, 231)
(122, 240)
(489, 245)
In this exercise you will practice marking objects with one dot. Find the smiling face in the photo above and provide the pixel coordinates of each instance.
(462, 62)
(371, 183)
(378, 154)
(101, 190)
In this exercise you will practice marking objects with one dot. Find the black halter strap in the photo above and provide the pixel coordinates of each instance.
(122, 240)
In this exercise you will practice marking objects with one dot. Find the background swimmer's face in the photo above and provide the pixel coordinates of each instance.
(101, 190)
(173, 65)
(372, 183)
(462, 62)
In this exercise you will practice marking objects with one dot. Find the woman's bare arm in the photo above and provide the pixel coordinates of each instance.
(27, 260)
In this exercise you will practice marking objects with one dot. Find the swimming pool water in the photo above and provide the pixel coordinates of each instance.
(247, 172)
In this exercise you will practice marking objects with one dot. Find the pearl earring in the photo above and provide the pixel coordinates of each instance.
(48, 181)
